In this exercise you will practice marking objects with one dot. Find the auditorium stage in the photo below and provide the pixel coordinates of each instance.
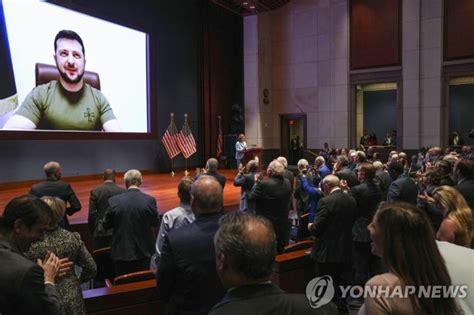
(163, 187)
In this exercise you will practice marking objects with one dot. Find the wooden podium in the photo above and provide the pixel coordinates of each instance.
(250, 154)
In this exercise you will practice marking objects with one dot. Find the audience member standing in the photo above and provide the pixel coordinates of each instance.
(457, 225)
(343, 172)
(367, 196)
(98, 205)
(320, 170)
(291, 178)
(382, 178)
(403, 238)
(245, 248)
(272, 196)
(175, 218)
(187, 278)
(131, 215)
(69, 245)
(430, 181)
(304, 201)
(464, 174)
(245, 178)
(26, 287)
(55, 187)
(444, 168)
(403, 188)
(333, 231)
(211, 170)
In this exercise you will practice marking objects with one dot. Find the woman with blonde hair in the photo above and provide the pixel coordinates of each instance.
(403, 237)
(457, 225)
(65, 244)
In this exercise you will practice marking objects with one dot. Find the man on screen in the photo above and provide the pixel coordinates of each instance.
(68, 103)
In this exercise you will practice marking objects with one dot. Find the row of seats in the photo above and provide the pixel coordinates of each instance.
(106, 273)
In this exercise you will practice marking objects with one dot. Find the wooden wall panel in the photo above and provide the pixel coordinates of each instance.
(375, 29)
(458, 29)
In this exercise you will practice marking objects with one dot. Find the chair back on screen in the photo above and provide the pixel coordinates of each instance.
(45, 73)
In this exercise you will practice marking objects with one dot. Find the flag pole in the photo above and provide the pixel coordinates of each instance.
(172, 172)
(186, 173)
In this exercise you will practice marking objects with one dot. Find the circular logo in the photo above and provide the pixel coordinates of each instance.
(320, 291)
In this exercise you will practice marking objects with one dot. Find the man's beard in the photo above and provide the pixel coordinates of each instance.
(69, 80)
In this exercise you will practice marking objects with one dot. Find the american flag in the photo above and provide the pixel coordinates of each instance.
(169, 140)
(220, 141)
(185, 140)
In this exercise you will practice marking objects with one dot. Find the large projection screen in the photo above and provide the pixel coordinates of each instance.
(117, 53)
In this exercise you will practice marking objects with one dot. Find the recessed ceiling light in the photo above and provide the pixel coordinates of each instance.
(245, 3)
(252, 7)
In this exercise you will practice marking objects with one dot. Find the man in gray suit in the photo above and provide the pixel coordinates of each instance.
(98, 205)
(26, 287)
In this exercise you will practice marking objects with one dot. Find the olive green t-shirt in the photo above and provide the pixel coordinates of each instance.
(51, 107)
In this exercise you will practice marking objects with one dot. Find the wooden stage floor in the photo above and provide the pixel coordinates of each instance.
(163, 187)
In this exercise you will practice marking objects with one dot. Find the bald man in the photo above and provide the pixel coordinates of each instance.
(245, 253)
(187, 279)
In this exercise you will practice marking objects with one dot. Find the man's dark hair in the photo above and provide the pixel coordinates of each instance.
(247, 256)
(395, 167)
(30, 209)
(369, 171)
(109, 174)
(69, 35)
(184, 189)
(466, 168)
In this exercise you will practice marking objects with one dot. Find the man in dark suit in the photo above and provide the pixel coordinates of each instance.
(272, 196)
(98, 205)
(187, 278)
(131, 215)
(245, 248)
(333, 231)
(26, 287)
(403, 188)
(53, 186)
(245, 178)
(367, 196)
(464, 174)
(382, 178)
(211, 170)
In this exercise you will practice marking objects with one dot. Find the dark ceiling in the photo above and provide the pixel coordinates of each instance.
(250, 7)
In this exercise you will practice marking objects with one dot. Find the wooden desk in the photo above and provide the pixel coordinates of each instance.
(293, 271)
(131, 298)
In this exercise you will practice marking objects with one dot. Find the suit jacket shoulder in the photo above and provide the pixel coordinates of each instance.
(266, 299)
(22, 288)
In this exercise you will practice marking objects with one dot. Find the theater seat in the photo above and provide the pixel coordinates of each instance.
(132, 277)
(45, 73)
(298, 246)
(105, 266)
